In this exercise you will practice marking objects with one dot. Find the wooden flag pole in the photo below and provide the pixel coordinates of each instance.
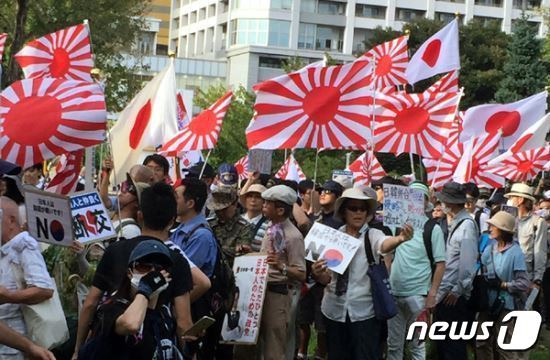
(205, 162)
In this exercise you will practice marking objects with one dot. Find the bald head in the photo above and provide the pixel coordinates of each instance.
(141, 173)
(10, 219)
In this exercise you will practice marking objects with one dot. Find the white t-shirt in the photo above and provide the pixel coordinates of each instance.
(128, 231)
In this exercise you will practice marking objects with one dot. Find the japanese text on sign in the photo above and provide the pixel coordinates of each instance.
(91, 221)
(242, 324)
(403, 205)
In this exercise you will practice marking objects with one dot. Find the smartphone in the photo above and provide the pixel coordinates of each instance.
(198, 328)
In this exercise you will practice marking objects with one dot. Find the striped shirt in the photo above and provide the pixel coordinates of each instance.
(256, 244)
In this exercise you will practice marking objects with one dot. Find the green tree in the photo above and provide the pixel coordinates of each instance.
(524, 72)
(114, 26)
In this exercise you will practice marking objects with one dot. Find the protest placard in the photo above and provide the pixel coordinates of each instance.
(91, 221)
(336, 247)
(512, 210)
(403, 205)
(242, 324)
(343, 174)
(49, 217)
(260, 160)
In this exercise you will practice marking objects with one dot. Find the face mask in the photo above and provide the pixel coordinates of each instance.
(445, 209)
(543, 213)
(510, 202)
(136, 278)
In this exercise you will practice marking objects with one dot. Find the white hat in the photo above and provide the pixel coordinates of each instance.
(356, 194)
(521, 190)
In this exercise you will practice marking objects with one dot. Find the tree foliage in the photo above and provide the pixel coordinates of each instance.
(114, 26)
(524, 72)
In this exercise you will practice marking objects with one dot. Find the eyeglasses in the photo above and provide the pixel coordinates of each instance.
(326, 192)
(128, 187)
(357, 208)
(145, 267)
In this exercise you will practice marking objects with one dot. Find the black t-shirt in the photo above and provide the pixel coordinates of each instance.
(113, 267)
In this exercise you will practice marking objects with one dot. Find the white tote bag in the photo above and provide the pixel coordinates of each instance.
(45, 322)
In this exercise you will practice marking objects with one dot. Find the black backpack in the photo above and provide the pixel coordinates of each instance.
(427, 237)
(222, 290)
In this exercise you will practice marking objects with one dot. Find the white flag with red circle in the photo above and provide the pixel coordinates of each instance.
(291, 170)
(183, 117)
(440, 170)
(242, 167)
(202, 132)
(3, 38)
(524, 165)
(447, 83)
(315, 107)
(67, 173)
(473, 165)
(147, 122)
(44, 117)
(513, 119)
(390, 61)
(438, 54)
(366, 168)
(415, 123)
(63, 54)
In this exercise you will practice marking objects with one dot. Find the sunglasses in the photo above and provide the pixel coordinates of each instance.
(357, 208)
(145, 267)
(127, 187)
(327, 192)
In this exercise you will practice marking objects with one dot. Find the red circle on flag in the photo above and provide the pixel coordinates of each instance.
(431, 54)
(321, 104)
(204, 123)
(140, 124)
(384, 65)
(412, 120)
(239, 168)
(60, 63)
(25, 113)
(508, 121)
(525, 166)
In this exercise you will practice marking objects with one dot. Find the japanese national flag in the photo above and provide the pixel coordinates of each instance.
(533, 137)
(437, 55)
(513, 119)
(147, 122)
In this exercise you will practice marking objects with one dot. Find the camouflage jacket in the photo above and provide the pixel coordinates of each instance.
(236, 231)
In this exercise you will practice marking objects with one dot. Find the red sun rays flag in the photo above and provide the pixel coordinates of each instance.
(524, 165)
(473, 165)
(533, 137)
(513, 118)
(3, 38)
(183, 118)
(448, 83)
(436, 55)
(366, 168)
(202, 132)
(315, 107)
(415, 123)
(440, 171)
(242, 167)
(456, 129)
(67, 172)
(390, 61)
(45, 117)
(148, 121)
(291, 170)
(63, 54)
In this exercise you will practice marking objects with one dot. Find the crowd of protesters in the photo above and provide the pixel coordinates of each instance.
(137, 295)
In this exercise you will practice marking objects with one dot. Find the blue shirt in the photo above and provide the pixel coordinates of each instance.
(506, 262)
(200, 247)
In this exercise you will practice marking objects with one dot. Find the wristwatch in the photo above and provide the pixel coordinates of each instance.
(284, 270)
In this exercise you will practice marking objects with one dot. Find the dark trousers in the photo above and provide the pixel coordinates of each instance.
(546, 294)
(358, 340)
(453, 349)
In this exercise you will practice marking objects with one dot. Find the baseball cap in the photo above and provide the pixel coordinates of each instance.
(222, 197)
(334, 187)
(195, 171)
(8, 168)
(227, 174)
(151, 251)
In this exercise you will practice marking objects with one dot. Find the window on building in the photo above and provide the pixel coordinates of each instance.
(146, 43)
(249, 32)
(193, 17)
(185, 20)
(176, 23)
(370, 11)
(485, 20)
(175, 4)
(326, 7)
(211, 10)
(495, 3)
(408, 14)
(453, 1)
(329, 38)
(271, 62)
(249, 4)
(281, 4)
(447, 17)
(306, 36)
(308, 6)
(279, 33)
(202, 14)
(526, 4)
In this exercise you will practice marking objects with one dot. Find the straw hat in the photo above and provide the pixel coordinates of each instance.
(503, 221)
(355, 194)
(521, 190)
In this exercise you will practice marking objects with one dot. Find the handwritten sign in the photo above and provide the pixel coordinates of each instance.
(336, 247)
(49, 217)
(260, 160)
(403, 205)
(91, 221)
(242, 324)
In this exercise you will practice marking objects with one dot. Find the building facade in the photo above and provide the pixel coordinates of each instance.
(254, 36)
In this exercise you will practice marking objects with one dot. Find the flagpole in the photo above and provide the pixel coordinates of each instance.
(205, 162)
(110, 145)
(372, 118)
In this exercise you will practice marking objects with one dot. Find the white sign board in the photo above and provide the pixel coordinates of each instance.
(336, 247)
(91, 220)
(403, 205)
(242, 324)
(49, 217)
(260, 160)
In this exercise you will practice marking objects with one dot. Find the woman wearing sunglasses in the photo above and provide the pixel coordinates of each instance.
(352, 329)
(128, 325)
